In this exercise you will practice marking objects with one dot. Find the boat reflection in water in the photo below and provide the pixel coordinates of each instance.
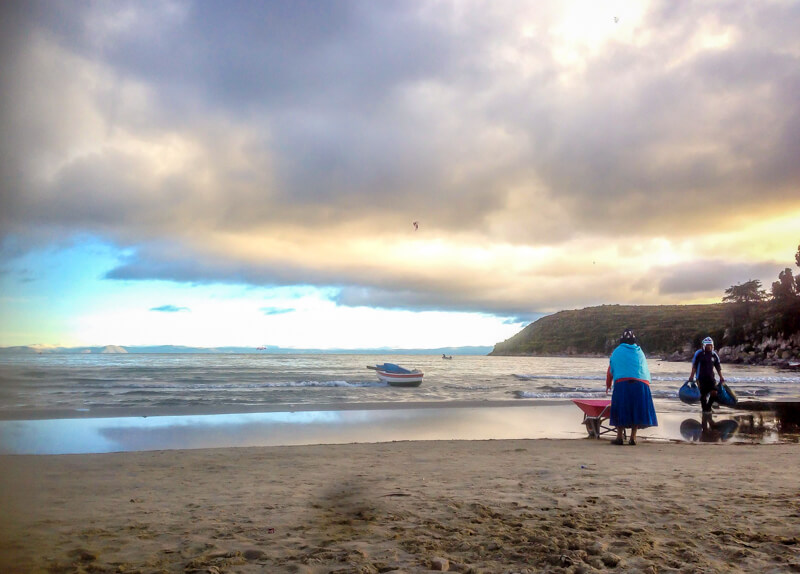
(708, 430)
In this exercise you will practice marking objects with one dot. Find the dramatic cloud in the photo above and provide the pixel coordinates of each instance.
(709, 276)
(293, 143)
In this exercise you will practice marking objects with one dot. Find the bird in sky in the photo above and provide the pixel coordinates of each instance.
(416, 225)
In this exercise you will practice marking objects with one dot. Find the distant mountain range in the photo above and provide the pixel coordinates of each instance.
(270, 350)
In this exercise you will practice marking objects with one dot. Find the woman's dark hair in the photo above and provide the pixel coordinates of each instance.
(628, 337)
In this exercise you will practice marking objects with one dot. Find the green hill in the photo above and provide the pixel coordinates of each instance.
(660, 329)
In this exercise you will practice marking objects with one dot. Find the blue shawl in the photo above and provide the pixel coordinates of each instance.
(628, 362)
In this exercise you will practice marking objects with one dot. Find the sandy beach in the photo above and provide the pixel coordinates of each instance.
(464, 506)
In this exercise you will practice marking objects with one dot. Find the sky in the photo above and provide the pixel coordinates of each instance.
(400, 174)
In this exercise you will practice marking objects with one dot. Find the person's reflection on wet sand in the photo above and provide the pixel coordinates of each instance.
(708, 430)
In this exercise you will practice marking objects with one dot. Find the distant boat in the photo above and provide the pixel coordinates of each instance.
(446, 356)
(397, 376)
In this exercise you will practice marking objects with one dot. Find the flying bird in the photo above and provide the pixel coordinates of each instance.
(616, 19)
(416, 225)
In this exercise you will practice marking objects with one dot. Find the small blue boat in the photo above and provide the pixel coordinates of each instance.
(397, 376)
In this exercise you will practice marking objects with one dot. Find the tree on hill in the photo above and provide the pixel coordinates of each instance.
(747, 315)
(786, 300)
(746, 299)
(749, 292)
(750, 317)
(786, 287)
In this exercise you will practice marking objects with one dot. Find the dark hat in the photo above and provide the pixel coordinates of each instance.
(628, 337)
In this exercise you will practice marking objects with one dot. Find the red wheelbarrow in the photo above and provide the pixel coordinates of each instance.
(595, 414)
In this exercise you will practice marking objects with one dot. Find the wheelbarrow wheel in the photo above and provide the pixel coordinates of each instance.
(591, 428)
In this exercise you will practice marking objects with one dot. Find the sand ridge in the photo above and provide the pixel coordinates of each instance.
(466, 506)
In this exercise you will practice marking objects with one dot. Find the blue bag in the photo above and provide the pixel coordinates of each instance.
(726, 396)
(689, 393)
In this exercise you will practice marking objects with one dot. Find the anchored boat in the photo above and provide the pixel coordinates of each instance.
(398, 376)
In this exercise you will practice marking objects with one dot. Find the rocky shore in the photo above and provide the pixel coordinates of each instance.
(778, 352)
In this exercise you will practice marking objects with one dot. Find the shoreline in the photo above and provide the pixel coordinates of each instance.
(144, 412)
(465, 420)
(752, 405)
(561, 506)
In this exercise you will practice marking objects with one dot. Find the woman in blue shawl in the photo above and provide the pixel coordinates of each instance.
(631, 402)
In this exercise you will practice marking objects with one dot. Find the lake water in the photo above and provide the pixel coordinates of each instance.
(99, 403)
(87, 383)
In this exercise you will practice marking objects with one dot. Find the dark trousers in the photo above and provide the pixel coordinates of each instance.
(706, 397)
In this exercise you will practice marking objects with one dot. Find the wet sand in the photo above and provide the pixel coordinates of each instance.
(94, 435)
(10, 414)
(466, 506)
